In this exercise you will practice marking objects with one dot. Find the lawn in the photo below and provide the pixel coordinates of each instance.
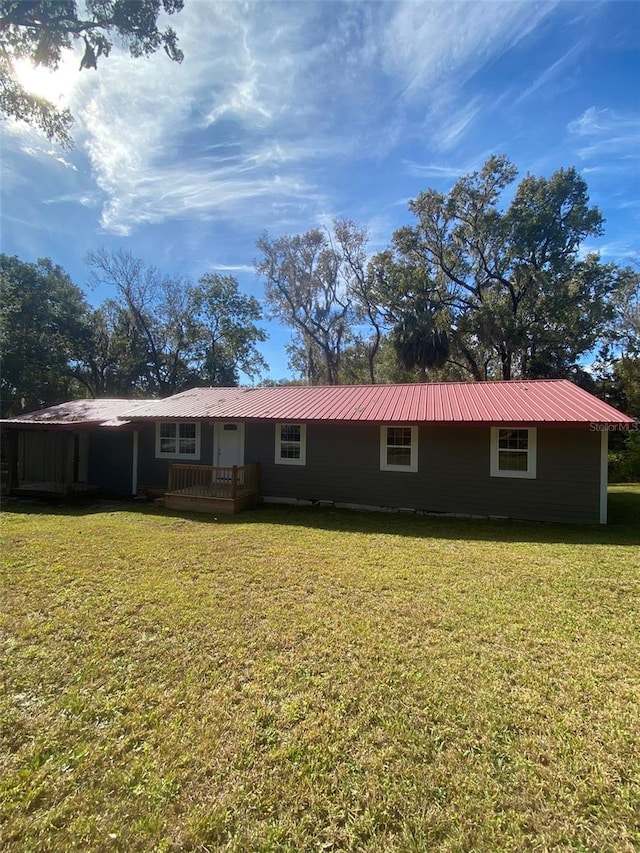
(318, 680)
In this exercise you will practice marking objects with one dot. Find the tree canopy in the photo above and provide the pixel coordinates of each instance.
(43, 335)
(305, 287)
(322, 286)
(177, 333)
(153, 336)
(491, 281)
(519, 298)
(225, 333)
(474, 289)
(41, 30)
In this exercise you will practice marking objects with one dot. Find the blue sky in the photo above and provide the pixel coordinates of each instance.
(285, 115)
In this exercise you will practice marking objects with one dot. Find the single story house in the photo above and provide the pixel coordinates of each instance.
(520, 449)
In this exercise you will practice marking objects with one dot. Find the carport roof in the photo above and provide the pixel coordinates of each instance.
(76, 413)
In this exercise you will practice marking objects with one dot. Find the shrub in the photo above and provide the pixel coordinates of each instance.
(624, 462)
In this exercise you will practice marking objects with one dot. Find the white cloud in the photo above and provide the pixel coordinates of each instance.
(622, 250)
(550, 74)
(447, 172)
(221, 135)
(271, 95)
(243, 268)
(63, 162)
(435, 49)
(429, 44)
(85, 199)
(597, 122)
(453, 126)
(605, 132)
(433, 170)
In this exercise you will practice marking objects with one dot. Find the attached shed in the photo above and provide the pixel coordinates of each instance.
(79, 447)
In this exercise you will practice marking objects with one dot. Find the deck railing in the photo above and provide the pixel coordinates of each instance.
(208, 481)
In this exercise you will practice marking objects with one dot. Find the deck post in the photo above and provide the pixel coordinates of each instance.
(234, 482)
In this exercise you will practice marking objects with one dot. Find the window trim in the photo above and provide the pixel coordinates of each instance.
(532, 453)
(160, 454)
(384, 446)
(280, 460)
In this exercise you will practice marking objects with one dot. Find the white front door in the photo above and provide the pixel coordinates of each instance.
(228, 445)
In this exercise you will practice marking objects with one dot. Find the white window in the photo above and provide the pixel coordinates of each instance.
(399, 448)
(291, 444)
(513, 452)
(178, 440)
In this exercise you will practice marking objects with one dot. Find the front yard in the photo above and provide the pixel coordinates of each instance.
(318, 680)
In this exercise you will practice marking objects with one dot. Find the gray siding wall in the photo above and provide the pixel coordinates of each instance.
(154, 473)
(566, 488)
(111, 461)
(343, 465)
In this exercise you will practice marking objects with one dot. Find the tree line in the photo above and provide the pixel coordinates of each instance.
(156, 335)
(472, 290)
(469, 291)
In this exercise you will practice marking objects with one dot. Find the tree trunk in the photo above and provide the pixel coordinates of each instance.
(505, 361)
(472, 364)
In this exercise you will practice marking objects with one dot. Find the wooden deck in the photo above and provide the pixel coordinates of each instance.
(204, 488)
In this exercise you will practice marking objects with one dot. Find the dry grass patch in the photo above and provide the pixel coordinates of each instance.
(318, 680)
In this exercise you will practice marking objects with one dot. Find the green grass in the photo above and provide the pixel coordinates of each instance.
(624, 504)
(318, 680)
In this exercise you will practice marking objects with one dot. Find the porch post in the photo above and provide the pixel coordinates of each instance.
(134, 464)
(234, 482)
(69, 463)
(604, 474)
(13, 453)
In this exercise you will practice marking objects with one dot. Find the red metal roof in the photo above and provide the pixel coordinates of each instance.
(103, 413)
(526, 402)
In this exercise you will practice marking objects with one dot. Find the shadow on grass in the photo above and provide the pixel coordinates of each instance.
(623, 528)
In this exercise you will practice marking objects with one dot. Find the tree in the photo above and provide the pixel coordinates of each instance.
(322, 286)
(44, 333)
(355, 368)
(519, 298)
(625, 331)
(163, 334)
(225, 331)
(306, 288)
(40, 31)
(157, 308)
(114, 363)
(419, 343)
(306, 359)
(360, 283)
(419, 334)
(618, 377)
